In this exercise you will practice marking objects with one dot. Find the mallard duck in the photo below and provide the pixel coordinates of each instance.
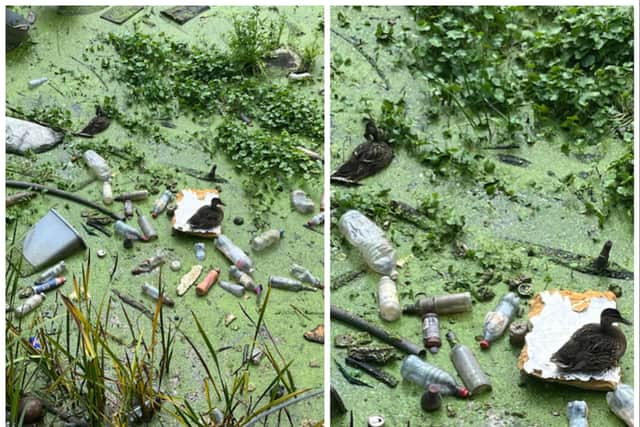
(208, 217)
(372, 132)
(595, 346)
(98, 124)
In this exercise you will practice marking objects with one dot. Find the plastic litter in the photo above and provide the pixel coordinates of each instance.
(423, 373)
(98, 165)
(365, 235)
(266, 239)
(388, 302)
(301, 202)
(497, 321)
(621, 402)
(234, 254)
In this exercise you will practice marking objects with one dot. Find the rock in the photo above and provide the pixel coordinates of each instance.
(32, 408)
(23, 136)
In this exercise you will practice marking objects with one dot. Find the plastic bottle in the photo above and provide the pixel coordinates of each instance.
(132, 195)
(127, 231)
(199, 248)
(388, 302)
(234, 254)
(288, 284)
(317, 219)
(431, 332)
(266, 239)
(98, 165)
(147, 228)
(54, 271)
(161, 204)
(443, 304)
(467, 366)
(497, 321)
(29, 305)
(301, 202)
(621, 402)
(423, 373)
(128, 208)
(577, 412)
(37, 82)
(244, 279)
(232, 288)
(365, 235)
(107, 192)
(304, 275)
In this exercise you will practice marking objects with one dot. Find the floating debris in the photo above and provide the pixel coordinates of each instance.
(37, 82)
(146, 226)
(266, 239)
(431, 332)
(444, 304)
(101, 253)
(133, 195)
(234, 254)
(188, 279)
(305, 275)
(244, 279)
(175, 265)
(431, 399)
(54, 271)
(388, 303)
(107, 192)
(154, 293)
(50, 284)
(373, 371)
(128, 209)
(517, 332)
(423, 373)
(128, 232)
(148, 265)
(232, 288)
(467, 366)
(316, 220)
(98, 165)
(301, 202)
(375, 421)
(299, 76)
(161, 204)
(33, 302)
(21, 197)
(379, 354)
(577, 412)
(199, 249)
(315, 335)
(497, 320)
(228, 318)
(621, 403)
(288, 284)
(210, 279)
(513, 160)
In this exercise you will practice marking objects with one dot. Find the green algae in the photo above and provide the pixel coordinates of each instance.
(152, 158)
(540, 207)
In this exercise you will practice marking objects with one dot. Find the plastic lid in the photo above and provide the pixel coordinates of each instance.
(484, 344)
(434, 350)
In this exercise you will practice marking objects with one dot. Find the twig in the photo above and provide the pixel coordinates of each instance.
(300, 312)
(133, 303)
(368, 57)
(93, 70)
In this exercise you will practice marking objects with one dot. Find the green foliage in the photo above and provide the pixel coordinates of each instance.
(570, 63)
(384, 33)
(252, 40)
(52, 116)
(618, 182)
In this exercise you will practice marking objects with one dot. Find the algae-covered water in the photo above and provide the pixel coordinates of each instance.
(543, 213)
(55, 46)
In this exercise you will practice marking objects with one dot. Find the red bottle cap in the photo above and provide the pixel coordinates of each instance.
(463, 392)
(484, 344)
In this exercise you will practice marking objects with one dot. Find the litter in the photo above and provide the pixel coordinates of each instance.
(23, 137)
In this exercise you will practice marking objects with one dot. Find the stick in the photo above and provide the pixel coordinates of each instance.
(64, 195)
(368, 57)
(93, 70)
(359, 323)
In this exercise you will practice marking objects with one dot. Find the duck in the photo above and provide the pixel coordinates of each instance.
(208, 217)
(367, 159)
(594, 347)
(98, 124)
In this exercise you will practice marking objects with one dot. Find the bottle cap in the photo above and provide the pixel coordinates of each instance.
(484, 344)
(462, 392)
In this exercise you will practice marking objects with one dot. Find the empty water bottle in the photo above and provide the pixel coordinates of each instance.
(154, 293)
(266, 239)
(244, 279)
(98, 165)
(577, 412)
(497, 321)
(317, 219)
(37, 82)
(431, 332)
(232, 288)
(161, 204)
(442, 304)
(127, 231)
(199, 248)
(301, 202)
(304, 275)
(465, 362)
(365, 235)
(54, 271)
(422, 373)
(234, 254)
(388, 302)
(621, 403)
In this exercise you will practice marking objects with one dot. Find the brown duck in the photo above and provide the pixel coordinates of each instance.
(207, 217)
(97, 124)
(595, 346)
(367, 159)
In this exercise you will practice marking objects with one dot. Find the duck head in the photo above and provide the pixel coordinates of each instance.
(216, 202)
(611, 315)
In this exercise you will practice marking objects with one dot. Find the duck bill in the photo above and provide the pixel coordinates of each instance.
(623, 320)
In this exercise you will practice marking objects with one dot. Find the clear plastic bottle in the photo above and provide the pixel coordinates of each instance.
(496, 322)
(154, 293)
(388, 302)
(234, 254)
(423, 373)
(107, 192)
(127, 231)
(301, 202)
(266, 239)
(128, 208)
(145, 225)
(365, 235)
(577, 412)
(467, 366)
(200, 253)
(98, 165)
(232, 288)
(37, 82)
(316, 220)
(621, 402)
(54, 271)
(431, 332)
(244, 279)
(304, 275)
(161, 204)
